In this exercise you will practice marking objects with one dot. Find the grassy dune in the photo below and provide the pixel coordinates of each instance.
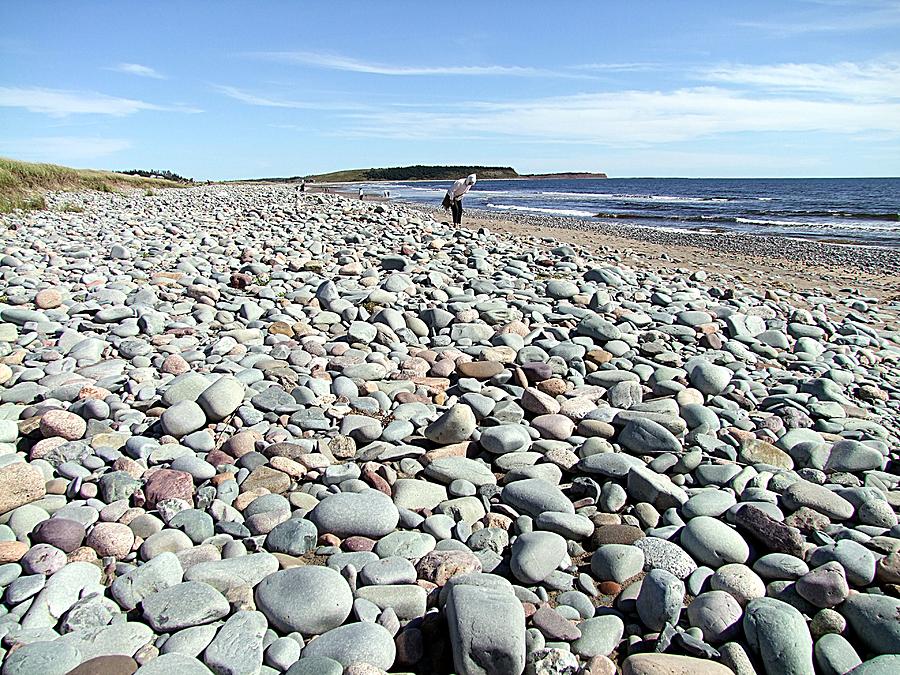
(22, 184)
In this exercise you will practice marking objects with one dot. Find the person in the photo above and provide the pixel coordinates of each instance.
(297, 197)
(456, 193)
(360, 193)
(302, 186)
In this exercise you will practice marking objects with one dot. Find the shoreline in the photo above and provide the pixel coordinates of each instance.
(763, 261)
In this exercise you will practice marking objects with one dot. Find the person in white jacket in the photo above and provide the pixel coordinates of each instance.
(456, 192)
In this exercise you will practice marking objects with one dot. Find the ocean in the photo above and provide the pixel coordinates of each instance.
(847, 210)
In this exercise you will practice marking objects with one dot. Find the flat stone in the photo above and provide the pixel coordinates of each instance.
(237, 648)
(480, 646)
(20, 484)
(190, 603)
(671, 664)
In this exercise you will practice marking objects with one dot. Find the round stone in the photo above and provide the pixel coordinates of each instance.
(182, 419)
(369, 513)
(660, 599)
(111, 539)
(63, 533)
(534, 556)
(64, 424)
(617, 562)
(717, 614)
(309, 600)
(355, 643)
(505, 438)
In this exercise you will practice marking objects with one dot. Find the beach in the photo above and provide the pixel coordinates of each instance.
(248, 430)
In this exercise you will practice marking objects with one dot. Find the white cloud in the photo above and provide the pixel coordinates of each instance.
(61, 103)
(634, 118)
(844, 16)
(137, 69)
(270, 102)
(338, 62)
(62, 148)
(874, 80)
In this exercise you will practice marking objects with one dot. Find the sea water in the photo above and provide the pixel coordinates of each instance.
(849, 210)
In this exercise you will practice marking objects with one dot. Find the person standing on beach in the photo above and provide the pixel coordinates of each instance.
(455, 195)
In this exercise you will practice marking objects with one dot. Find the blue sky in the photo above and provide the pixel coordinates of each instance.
(238, 89)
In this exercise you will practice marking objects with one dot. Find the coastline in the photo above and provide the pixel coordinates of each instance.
(760, 261)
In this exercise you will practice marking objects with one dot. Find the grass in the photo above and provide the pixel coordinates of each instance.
(71, 208)
(22, 184)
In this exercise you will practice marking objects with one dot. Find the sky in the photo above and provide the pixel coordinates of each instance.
(220, 90)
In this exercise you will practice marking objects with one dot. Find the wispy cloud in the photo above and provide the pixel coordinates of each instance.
(634, 118)
(272, 102)
(345, 63)
(843, 16)
(137, 69)
(875, 80)
(61, 103)
(634, 67)
(62, 148)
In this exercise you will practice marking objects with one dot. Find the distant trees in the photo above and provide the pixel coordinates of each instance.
(156, 173)
(422, 172)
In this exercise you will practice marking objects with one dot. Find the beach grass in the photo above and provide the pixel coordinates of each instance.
(23, 184)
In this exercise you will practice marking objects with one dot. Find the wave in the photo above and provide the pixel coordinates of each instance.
(738, 220)
(538, 209)
(605, 196)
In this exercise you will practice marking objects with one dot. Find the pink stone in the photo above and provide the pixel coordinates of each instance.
(64, 424)
(175, 365)
(48, 298)
(111, 539)
(169, 484)
(45, 446)
(440, 566)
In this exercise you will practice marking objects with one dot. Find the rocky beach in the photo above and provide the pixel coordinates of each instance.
(243, 434)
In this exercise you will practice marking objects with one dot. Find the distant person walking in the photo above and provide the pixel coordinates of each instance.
(455, 196)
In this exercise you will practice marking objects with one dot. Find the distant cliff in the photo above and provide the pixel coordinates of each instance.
(417, 172)
(563, 176)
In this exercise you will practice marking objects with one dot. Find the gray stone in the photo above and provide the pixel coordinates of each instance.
(875, 619)
(713, 543)
(778, 634)
(617, 562)
(369, 514)
(41, 658)
(310, 600)
(189, 603)
(224, 575)
(167, 664)
(600, 636)
(534, 556)
(130, 589)
(238, 646)
(660, 599)
(454, 426)
(534, 496)
(487, 631)
(717, 614)
(362, 642)
(221, 398)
